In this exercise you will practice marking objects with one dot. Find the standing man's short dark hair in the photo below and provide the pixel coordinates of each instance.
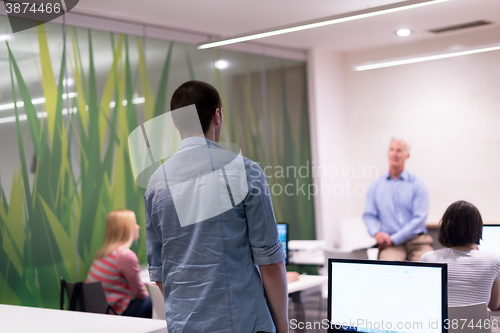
(203, 95)
(209, 224)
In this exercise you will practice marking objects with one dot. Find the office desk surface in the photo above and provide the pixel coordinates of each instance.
(306, 282)
(23, 319)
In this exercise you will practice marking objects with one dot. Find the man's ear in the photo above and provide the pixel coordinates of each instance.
(217, 117)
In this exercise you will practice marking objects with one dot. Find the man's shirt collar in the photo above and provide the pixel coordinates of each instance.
(196, 141)
(403, 176)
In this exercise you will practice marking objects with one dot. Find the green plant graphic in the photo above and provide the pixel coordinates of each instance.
(52, 226)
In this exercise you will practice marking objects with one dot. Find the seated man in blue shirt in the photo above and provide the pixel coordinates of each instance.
(213, 246)
(396, 210)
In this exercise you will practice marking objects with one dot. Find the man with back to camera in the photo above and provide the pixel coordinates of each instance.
(396, 209)
(207, 270)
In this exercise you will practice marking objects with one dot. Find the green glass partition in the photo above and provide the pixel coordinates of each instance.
(69, 98)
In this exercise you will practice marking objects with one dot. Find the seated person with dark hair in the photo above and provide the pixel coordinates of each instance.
(473, 276)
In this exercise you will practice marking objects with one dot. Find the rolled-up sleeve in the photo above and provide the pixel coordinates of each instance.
(262, 230)
(153, 242)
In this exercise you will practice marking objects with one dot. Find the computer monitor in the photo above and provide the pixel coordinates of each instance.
(386, 296)
(491, 239)
(283, 236)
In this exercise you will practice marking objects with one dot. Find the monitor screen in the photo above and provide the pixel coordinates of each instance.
(386, 296)
(283, 236)
(491, 239)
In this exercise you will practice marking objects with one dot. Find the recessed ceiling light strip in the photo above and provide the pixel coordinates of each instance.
(399, 6)
(35, 101)
(424, 58)
(137, 100)
(23, 117)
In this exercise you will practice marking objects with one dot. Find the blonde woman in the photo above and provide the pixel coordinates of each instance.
(117, 267)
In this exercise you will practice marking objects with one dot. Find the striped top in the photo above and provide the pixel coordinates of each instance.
(119, 274)
(471, 274)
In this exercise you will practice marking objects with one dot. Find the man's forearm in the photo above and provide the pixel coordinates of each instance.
(276, 287)
(409, 230)
(371, 222)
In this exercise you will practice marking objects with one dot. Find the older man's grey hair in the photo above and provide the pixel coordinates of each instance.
(398, 139)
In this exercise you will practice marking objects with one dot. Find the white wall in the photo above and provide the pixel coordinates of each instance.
(328, 137)
(449, 110)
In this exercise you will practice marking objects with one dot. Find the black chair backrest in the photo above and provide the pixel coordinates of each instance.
(85, 297)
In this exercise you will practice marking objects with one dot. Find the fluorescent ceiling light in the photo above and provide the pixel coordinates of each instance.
(21, 118)
(69, 82)
(403, 32)
(70, 95)
(10, 106)
(221, 64)
(39, 115)
(137, 100)
(34, 101)
(37, 101)
(423, 58)
(391, 8)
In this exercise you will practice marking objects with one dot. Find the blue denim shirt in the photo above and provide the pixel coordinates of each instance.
(398, 207)
(210, 279)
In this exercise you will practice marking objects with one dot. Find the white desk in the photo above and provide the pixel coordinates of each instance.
(23, 319)
(307, 282)
(315, 260)
(306, 252)
(299, 290)
(318, 258)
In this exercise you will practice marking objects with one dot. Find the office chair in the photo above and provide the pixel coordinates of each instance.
(85, 297)
(475, 313)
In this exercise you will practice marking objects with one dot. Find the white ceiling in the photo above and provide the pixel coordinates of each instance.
(233, 17)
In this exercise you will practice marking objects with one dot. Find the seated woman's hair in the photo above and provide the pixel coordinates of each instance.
(120, 228)
(461, 225)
